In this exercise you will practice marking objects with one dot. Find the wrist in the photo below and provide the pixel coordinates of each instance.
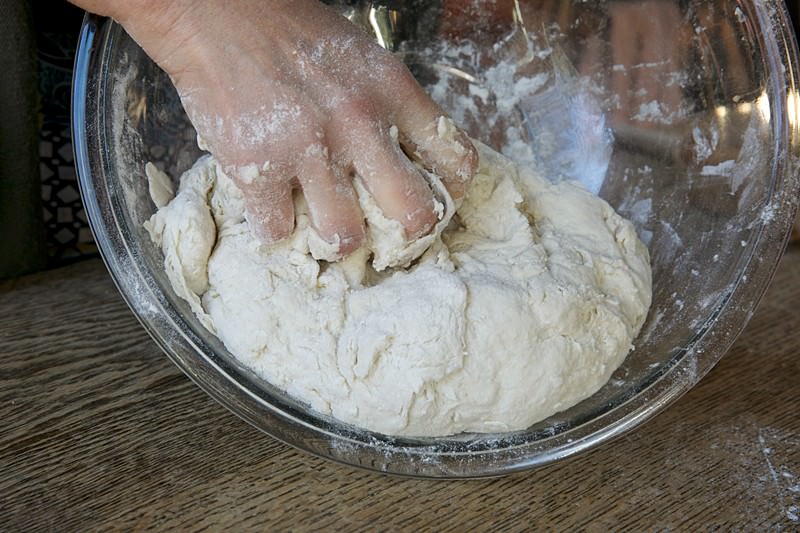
(160, 27)
(152, 13)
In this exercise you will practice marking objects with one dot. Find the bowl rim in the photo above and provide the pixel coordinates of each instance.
(407, 457)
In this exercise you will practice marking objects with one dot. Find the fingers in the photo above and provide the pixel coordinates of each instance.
(332, 202)
(397, 187)
(268, 204)
(446, 151)
(430, 136)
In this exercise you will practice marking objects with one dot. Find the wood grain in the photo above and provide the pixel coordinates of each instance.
(101, 432)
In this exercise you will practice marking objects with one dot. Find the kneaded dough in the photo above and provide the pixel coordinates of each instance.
(523, 303)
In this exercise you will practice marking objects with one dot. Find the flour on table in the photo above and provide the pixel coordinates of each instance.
(521, 304)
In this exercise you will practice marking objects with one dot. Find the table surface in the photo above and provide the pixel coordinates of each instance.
(100, 431)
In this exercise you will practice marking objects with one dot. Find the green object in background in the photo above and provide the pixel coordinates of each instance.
(22, 247)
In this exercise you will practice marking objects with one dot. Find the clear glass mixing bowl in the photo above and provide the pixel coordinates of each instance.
(683, 115)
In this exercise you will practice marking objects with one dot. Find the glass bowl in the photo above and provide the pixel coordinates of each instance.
(682, 115)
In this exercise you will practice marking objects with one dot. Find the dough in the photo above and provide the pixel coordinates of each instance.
(523, 303)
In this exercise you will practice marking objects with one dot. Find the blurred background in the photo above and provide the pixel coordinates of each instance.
(41, 216)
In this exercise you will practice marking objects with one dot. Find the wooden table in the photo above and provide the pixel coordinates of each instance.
(101, 432)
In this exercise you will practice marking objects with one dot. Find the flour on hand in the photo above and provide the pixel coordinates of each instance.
(521, 303)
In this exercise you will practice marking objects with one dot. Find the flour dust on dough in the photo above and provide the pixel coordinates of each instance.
(522, 303)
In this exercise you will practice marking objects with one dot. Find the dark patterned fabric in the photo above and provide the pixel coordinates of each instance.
(67, 231)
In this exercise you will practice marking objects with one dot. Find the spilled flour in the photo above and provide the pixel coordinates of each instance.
(521, 303)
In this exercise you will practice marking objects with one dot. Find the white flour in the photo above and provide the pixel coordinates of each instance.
(522, 304)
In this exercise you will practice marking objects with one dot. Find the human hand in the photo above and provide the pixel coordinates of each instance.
(288, 95)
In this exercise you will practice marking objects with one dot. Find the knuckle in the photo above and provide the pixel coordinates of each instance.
(469, 161)
(356, 110)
